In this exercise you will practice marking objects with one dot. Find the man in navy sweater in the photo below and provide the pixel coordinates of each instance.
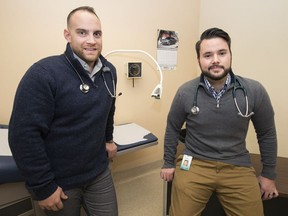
(61, 127)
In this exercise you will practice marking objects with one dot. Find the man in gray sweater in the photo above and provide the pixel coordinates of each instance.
(216, 109)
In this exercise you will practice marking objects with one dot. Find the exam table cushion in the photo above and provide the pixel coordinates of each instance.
(9, 172)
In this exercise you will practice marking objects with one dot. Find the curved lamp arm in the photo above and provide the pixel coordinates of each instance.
(157, 91)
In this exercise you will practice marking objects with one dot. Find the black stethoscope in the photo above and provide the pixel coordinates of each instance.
(195, 109)
(85, 87)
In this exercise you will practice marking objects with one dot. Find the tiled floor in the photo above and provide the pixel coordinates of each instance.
(140, 191)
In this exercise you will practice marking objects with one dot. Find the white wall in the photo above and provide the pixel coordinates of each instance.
(259, 35)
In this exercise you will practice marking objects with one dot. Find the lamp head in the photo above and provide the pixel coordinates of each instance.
(157, 92)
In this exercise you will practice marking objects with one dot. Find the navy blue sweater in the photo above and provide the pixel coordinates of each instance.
(57, 134)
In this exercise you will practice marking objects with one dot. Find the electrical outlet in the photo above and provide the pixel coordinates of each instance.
(134, 70)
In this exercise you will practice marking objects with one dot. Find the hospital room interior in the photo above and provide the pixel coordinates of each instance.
(32, 30)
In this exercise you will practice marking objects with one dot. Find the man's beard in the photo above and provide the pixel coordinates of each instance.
(213, 77)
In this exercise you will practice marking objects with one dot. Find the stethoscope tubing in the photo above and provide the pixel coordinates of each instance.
(84, 88)
(195, 109)
(113, 84)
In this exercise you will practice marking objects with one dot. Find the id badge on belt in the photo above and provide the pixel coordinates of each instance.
(186, 162)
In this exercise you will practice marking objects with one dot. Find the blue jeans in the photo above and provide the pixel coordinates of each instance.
(97, 198)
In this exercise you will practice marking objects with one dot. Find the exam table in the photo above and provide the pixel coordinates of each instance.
(15, 199)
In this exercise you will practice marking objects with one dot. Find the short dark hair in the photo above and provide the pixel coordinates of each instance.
(83, 8)
(213, 33)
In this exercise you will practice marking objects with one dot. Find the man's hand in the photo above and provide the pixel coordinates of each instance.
(268, 188)
(111, 149)
(53, 202)
(167, 174)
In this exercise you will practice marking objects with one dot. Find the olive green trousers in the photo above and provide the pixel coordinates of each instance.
(237, 189)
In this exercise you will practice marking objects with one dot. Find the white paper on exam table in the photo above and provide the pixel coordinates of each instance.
(4, 146)
(125, 134)
(129, 133)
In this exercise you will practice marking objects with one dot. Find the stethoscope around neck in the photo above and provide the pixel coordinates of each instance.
(195, 109)
(85, 87)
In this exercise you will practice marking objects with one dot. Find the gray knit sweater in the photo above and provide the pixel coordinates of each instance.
(219, 133)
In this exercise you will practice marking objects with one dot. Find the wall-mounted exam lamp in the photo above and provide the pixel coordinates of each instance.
(157, 91)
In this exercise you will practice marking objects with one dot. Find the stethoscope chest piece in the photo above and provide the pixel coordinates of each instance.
(84, 88)
(195, 110)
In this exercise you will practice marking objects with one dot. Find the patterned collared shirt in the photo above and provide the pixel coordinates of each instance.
(211, 89)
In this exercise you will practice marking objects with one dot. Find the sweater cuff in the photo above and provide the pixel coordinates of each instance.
(41, 193)
(168, 165)
(109, 138)
(269, 172)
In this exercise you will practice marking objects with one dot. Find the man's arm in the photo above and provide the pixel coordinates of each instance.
(29, 124)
